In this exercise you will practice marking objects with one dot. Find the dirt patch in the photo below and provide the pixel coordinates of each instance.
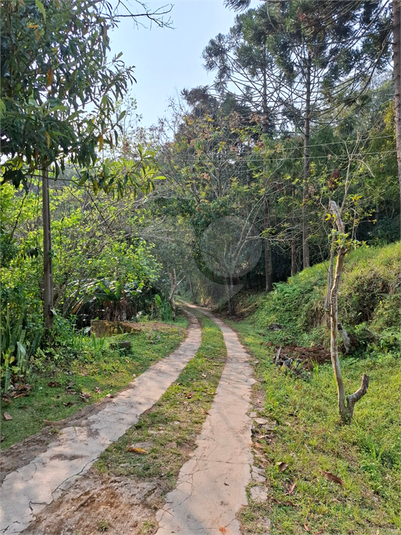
(24, 452)
(98, 503)
(101, 328)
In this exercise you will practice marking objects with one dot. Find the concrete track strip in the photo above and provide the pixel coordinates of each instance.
(29, 489)
(211, 485)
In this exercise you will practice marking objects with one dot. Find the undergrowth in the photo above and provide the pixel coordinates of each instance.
(369, 303)
(309, 447)
(59, 386)
(310, 440)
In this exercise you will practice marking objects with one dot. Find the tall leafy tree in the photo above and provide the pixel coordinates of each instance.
(327, 52)
(58, 98)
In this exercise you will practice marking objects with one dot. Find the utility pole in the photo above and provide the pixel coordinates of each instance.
(47, 259)
(397, 80)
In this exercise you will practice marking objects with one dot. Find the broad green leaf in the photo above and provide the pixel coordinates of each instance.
(41, 8)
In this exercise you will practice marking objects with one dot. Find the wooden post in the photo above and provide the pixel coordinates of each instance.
(47, 260)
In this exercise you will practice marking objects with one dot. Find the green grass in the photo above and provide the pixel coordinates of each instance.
(169, 430)
(369, 302)
(99, 370)
(310, 439)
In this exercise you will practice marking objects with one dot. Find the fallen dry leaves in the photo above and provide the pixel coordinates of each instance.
(331, 477)
(282, 466)
(291, 489)
(7, 416)
(134, 449)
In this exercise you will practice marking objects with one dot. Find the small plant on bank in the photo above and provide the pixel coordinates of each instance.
(103, 525)
(340, 243)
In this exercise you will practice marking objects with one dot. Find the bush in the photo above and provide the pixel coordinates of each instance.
(369, 301)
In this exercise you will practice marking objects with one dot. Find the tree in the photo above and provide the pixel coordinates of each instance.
(328, 53)
(345, 218)
(397, 81)
(245, 68)
(340, 238)
(58, 99)
(173, 242)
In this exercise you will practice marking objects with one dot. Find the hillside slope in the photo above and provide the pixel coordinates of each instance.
(369, 302)
(323, 477)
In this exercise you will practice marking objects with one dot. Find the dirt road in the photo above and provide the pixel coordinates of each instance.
(55, 494)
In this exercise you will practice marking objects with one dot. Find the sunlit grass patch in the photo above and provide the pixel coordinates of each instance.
(100, 368)
(311, 441)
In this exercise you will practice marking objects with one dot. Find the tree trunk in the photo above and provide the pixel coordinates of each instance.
(397, 81)
(305, 225)
(229, 290)
(268, 248)
(47, 259)
(265, 117)
(173, 287)
(329, 285)
(294, 264)
(192, 290)
(345, 405)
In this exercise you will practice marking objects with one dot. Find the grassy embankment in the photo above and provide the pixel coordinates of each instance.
(308, 437)
(60, 387)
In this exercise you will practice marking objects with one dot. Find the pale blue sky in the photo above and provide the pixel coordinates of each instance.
(169, 60)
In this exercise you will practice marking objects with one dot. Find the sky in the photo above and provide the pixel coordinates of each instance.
(169, 60)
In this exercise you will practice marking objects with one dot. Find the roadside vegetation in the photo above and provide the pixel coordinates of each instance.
(244, 186)
(82, 371)
(322, 476)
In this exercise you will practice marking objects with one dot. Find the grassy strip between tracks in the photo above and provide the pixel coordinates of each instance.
(168, 431)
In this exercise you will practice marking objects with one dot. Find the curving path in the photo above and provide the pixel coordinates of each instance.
(29, 489)
(211, 485)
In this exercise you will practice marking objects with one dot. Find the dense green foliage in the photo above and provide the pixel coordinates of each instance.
(101, 268)
(369, 302)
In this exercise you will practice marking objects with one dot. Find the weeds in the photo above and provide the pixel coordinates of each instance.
(310, 440)
(96, 370)
(369, 302)
(16, 352)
